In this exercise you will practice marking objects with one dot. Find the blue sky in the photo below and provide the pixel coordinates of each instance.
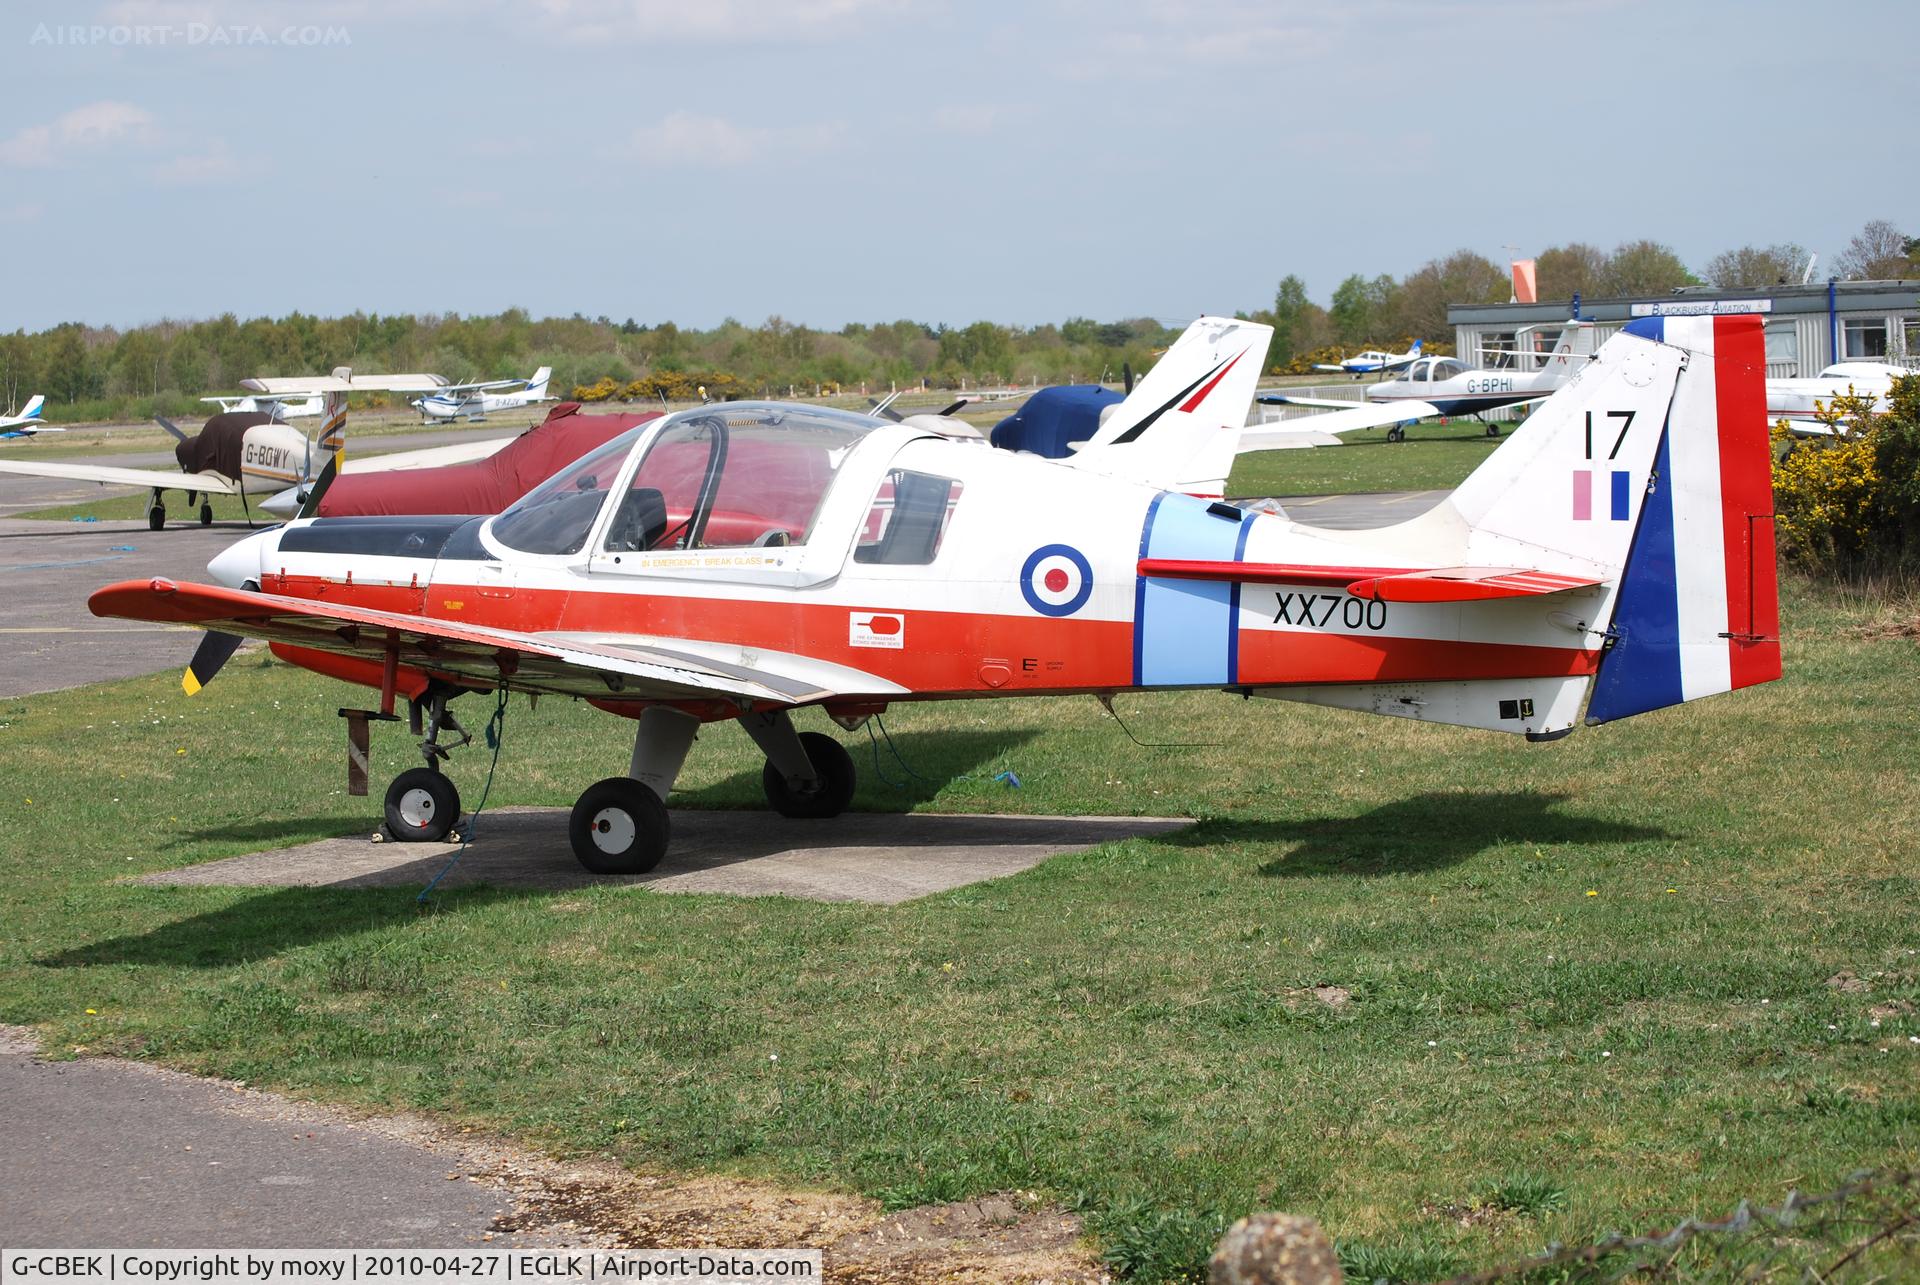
(837, 160)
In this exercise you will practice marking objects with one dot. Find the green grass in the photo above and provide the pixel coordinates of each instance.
(1588, 979)
(1435, 456)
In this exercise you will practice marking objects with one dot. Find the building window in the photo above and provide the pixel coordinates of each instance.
(1866, 337)
(1496, 349)
(1783, 345)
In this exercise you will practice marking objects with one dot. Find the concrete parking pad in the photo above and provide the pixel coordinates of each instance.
(879, 858)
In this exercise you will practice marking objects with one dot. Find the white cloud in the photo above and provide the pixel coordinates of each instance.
(94, 125)
(689, 139)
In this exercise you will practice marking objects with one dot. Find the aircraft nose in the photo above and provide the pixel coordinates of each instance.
(240, 563)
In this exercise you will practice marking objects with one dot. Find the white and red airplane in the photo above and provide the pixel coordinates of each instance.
(750, 561)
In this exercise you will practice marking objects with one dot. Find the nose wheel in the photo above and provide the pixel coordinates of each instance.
(619, 827)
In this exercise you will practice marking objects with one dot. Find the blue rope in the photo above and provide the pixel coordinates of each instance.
(496, 734)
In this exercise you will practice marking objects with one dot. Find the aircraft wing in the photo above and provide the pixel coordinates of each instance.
(312, 385)
(205, 483)
(603, 667)
(487, 383)
(1268, 437)
(426, 457)
(1324, 403)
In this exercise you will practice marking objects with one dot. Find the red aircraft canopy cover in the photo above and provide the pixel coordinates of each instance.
(483, 486)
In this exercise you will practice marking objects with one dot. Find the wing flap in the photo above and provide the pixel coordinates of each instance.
(484, 656)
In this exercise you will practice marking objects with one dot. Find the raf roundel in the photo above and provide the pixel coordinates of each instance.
(1056, 580)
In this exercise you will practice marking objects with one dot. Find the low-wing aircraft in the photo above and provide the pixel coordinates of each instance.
(474, 401)
(28, 422)
(749, 561)
(239, 452)
(1373, 361)
(1542, 360)
(1799, 401)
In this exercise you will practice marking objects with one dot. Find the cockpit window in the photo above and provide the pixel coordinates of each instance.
(743, 475)
(556, 516)
(1447, 369)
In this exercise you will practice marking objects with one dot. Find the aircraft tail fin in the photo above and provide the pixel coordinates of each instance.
(1179, 427)
(1650, 469)
(1415, 350)
(332, 441)
(34, 406)
(537, 386)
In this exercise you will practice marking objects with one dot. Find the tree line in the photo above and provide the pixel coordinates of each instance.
(1370, 311)
(94, 372)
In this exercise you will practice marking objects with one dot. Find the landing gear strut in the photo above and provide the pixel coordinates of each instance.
(808, 774)
(422, 804)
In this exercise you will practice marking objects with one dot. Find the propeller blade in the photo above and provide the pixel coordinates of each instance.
(1126, 371)
(171, 427)
(212, 653)
(954, 409)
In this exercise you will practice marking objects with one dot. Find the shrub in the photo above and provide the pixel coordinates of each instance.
(1849, 505)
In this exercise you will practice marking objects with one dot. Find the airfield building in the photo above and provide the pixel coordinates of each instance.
(1808, 327)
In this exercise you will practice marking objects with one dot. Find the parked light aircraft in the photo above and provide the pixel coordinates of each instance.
(1799, 401)
(28, 422)
(475, 400)
(1373, 361)
(1543, 359)
(236, 452)
(278, 408)
(745, 561)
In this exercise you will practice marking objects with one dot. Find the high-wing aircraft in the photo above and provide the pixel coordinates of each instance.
(475, 400)
(1543, 359)
(28, 422)
(239, 452)
(1373, 361)
(278, 408)
(1799, 401)
(747, 561)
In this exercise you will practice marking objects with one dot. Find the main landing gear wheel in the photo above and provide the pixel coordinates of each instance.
(619, 827)
(422, 806)
(1493, 430)
(156, 517)
(206, 514)
(1396, 434)
(829, 796)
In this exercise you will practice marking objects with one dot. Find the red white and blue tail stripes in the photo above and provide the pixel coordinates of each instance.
(1698, 607)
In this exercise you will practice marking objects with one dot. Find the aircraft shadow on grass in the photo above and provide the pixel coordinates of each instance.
(1425, 832)
(281, 919)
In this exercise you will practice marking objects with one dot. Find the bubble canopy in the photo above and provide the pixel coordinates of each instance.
(733, 475)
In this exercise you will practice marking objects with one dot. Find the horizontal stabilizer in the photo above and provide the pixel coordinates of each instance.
(1388, 584)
